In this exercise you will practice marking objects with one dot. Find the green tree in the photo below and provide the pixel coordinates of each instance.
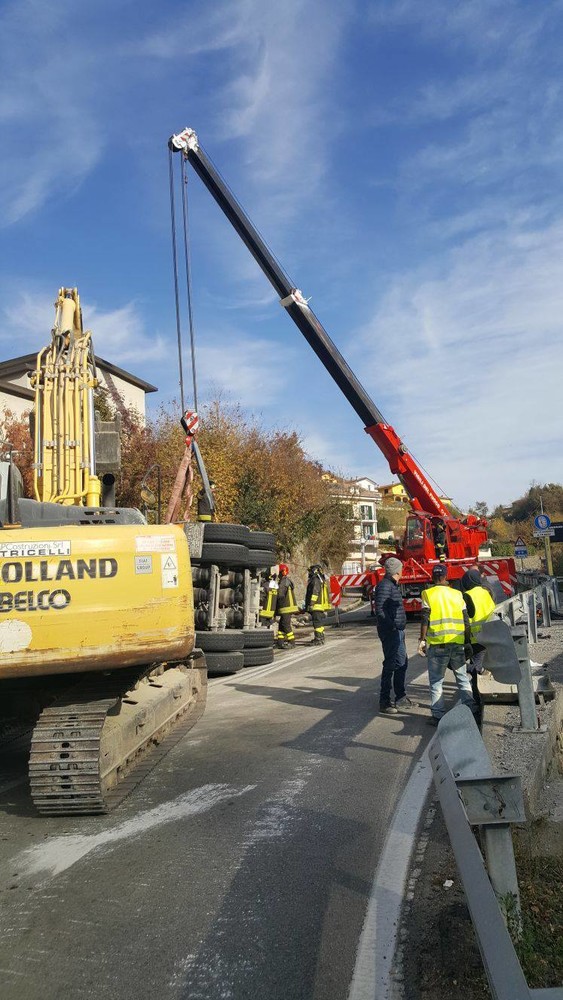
(480, 508)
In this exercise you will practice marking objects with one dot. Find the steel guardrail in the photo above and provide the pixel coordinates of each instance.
(500, 962)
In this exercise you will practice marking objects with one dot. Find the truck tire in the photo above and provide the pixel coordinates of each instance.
(224, 663)
(262, 540)
(222, 641)
(258, 638)
(224, 554)
(261, 558)
(238, 534)
(258, 657)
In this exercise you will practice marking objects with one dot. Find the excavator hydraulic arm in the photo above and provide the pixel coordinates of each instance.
(64, 380)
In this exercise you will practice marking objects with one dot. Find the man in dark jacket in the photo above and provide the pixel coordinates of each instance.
(391, 620)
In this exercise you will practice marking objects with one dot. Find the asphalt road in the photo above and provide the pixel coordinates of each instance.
(241, 867)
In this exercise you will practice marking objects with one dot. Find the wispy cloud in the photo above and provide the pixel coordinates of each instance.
(50, 138)
(250, 372)
(476, 353)
(118, 334)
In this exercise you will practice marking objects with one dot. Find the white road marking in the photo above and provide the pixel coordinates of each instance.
(270, 668)
(60, 853)
(373, 969)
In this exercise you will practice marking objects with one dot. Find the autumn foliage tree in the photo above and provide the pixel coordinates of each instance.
(262, 478)
(15, 437)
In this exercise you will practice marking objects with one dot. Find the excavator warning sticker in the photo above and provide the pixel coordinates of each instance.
(169, 571)
(143, 564)
(155, 543)
(22, 550)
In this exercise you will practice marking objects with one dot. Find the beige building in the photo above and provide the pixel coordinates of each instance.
(124, 390)
(363, 497)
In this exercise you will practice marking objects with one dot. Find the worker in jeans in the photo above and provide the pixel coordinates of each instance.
(391, 620)
(445, 639)
(480, 606)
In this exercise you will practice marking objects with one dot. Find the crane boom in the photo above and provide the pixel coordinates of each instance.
(422, 494)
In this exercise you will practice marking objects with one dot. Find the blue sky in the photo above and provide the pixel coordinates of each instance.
(404, 161)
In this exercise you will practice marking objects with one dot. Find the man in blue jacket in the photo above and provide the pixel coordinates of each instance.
(391, 620)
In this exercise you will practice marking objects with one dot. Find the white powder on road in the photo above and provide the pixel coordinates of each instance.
(60, 853)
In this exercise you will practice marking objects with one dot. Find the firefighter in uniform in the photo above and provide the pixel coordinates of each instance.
(286, 606)
(440, 541)
(445, 639)
(480, 605)
(268, 596)
(317, 602)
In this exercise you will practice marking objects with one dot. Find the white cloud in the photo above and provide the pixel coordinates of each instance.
(474, 353)
(247, 371)
(118, 334)
(50, 138)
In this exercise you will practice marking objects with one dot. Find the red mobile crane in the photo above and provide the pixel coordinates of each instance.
(429, 514)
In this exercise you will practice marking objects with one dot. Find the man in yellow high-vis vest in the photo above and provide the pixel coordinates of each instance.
(480, 605)
(445, 638)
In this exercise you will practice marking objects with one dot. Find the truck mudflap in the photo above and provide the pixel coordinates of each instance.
(93, 745)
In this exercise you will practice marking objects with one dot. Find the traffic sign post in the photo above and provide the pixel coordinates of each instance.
(520, 550)
(542, 524)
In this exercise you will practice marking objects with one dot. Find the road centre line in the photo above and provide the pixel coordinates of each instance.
(270, 668)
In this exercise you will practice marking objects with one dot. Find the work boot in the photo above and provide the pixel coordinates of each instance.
(405, 703)
(282, 644)
(317, 641)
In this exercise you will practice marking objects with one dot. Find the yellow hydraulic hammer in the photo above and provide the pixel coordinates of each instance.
(64, 468)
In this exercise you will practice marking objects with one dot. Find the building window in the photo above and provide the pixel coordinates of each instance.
(368, 529)
(366, 511)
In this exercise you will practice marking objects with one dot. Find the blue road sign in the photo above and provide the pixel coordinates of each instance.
(542, 521)
(520, 552)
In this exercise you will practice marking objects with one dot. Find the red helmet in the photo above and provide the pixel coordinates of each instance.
(283, 569)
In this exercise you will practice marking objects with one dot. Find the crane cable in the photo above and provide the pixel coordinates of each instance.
(175, 275)
(187, 257)
(182, 488)
(187, 260)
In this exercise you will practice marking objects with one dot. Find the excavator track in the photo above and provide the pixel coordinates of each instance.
(92, 746)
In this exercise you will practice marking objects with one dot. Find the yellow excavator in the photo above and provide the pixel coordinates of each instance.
(94, 602)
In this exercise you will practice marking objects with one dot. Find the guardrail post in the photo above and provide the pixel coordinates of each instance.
(501, 866)
(526, 695)
(545, 605)
(556, 594)
(531, 614)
